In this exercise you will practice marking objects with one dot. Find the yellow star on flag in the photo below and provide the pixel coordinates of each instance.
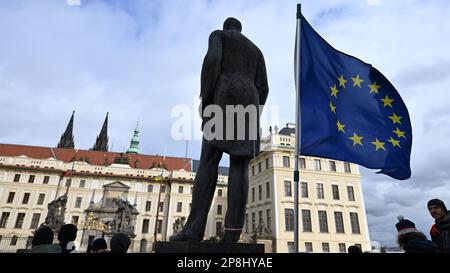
(342, 81)
(394, 142)
(395, 119)
(378, 144)
(356, 139)
(334, 91)
(387, 101)
(399, 133)
(340, 126)
(357, 81)
(333, 108)
(374, 88)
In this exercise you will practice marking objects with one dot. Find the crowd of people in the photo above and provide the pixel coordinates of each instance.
(412, 240)
(43, 242)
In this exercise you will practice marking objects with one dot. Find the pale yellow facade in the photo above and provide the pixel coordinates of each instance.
(271, 198)
(23, 204)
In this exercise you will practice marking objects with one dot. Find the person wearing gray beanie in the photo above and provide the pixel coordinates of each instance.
(440, 230)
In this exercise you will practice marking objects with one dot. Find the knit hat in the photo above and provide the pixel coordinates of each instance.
(99, 244)
(437, 202)
(119, 243)
(67, 233)
(43, 236)
(405, 226)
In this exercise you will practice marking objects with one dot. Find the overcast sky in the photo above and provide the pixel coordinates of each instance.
(138, 59)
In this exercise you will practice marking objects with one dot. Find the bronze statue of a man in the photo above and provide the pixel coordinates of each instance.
(233, 74)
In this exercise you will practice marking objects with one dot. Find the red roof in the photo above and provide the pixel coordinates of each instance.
(95, 157)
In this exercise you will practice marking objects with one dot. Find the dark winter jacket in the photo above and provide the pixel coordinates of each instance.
(421, 246)
(440, 233)
(47, 248)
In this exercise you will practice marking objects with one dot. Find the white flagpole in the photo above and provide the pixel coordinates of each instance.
(297, 128)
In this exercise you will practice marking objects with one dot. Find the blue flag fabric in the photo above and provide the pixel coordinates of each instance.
(349, 110)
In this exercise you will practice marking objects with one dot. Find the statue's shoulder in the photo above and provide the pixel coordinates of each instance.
(216, 34)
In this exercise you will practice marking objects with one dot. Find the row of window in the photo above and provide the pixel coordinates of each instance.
(19, 220)
(31, 178)
(267, 224)
(148, 206)
(302, 165)
(325, 247)
(146, 226)
(26, 198)
(319, 190)
(260, 192)
(323, 221)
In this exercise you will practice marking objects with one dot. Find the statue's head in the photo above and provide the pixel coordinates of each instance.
(232, 24)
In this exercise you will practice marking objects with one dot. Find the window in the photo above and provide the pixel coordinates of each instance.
(306, 219)
(31, 178)
(342, 248)
(192, 188)
(159, 229)
(351, 194)
(219, 209)
(143, 246)
(13, 240)
(317, 165)
(323, 221)
(68, 182)
(4, 219)
(289, 219)
(219, 192)
(302, 162)
(246, 223)
(253, 194)
(290, 246)
(75, 219)
(145, 225)
(150, 188)
(180, 189)
(347, 167)
(260, 217)
(308, 247)
(269, 219)
(335, 189)
(82, 183)
(16, 177)
(286, 162)
(78, 202)
(26, 197)
(161, 206)
(35, 220)
(267, 163)
(259, 167)
(253, 221)
(338, 219)
(267, 190)
(179, 206)
(260, 192)
(253, 170)
(304, 189)
(148, 205)
(19, 220)
(163, 188)
(287, 188)
(46, 179)
(320, 194)
(218, 228)
(10, 197)
(325, 247)
(332, 166)
(354, 222)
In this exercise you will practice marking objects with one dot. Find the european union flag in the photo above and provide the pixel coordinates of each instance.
(349, 110)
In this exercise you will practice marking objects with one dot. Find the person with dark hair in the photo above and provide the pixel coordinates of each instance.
(99, 246)
(354, 249)
(412, 240)
(42, 242)
(440, 230)
(233, 76)
(120, 243)
(66, 236)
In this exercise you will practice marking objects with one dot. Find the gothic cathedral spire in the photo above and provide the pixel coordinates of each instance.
(102, 140)
(66, 140)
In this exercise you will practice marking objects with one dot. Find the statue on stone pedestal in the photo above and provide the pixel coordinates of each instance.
(55, 214)
(233, 78)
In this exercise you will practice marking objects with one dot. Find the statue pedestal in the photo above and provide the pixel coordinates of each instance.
(203, 247)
